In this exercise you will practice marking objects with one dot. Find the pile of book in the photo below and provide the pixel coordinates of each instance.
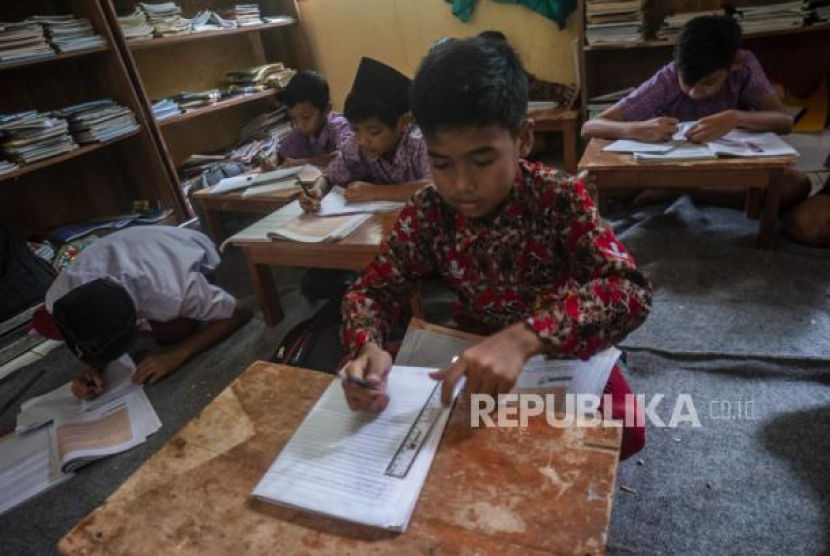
(193, 100)
(165, 108)
(269, 75)
(68, 34)
(613, 21)
(166, 19)
(31, 136)
(672, 23)
(23, 41)
(246, 14)
(6, 166)
(135, 25)
(772, 17)
(821, 10)
(599, 104)
(208, 20)
(99, 120)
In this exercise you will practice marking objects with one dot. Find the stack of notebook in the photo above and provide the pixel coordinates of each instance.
(772, 17)
(613, 21)
(68, 34)
(821, 10)
(268, 75)
(208, 20)
(135, 25)
(246, 14)
(193, 100)
(23, 41)
(165, 108)
(600, 103)
(166, 18)
(30, 136)
(99, 120)
(672, 23)
(6, 166)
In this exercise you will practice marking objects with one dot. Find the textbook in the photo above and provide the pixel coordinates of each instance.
(310, 228)
(736, 143)
(335, 463)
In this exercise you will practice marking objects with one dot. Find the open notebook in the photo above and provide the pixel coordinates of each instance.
(336, 461)
(335, 204)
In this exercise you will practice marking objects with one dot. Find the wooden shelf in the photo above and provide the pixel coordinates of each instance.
(221, 105)
(656, 43)
(52, 59)
(80, 151)
(190, 37)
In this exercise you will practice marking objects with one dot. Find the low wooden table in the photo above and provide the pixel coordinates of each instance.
(610, 171)
(212, 205)
(505, 492)
(351, 253)
(565, 122)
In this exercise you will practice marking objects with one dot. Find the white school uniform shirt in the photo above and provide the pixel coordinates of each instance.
(161, 267)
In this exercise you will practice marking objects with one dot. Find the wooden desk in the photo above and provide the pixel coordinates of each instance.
(211, 205)
(489, 492)
(351, 253)
(620, 171)
(565, 122)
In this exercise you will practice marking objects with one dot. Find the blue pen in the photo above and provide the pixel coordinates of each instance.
(363, 383)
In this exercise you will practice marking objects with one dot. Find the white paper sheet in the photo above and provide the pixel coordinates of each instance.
(335, 204)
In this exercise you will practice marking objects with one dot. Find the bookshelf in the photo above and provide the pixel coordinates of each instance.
(95, 180)
(163, 67)
(797, 58)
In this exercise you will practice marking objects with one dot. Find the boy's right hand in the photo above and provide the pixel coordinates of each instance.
(655, 129)
(89, 384)
(311, 201)
(372, 365)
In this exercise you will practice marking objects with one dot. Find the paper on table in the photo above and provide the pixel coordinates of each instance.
(246, 180)
(336, 461)
(61, 403)
(684, 153)
(742, 143)
(259, 231)
(335, 204)
(27, 468)
(280, 185)
(314, 229)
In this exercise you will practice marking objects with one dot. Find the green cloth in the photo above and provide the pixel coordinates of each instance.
(556, 10)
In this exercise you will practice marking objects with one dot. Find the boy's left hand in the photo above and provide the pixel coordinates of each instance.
(359, 191)
(155, 367)
(492, 366)
(713, 127)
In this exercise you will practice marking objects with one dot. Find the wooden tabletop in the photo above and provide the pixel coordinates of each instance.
(490, 491)
(353, 252)
(594, 159)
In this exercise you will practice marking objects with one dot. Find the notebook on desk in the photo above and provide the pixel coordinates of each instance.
(336, 462)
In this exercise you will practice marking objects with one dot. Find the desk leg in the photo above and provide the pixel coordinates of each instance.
(569, 147)
(266, 291)
(213, 224)
(753, 202)
(766, 229)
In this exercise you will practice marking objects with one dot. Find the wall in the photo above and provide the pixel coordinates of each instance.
(399, 32)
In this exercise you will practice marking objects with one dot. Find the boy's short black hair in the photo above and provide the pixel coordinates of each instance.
(306, 86)
(378, 91)
(704, 45)
(470, 83)
(98, 321)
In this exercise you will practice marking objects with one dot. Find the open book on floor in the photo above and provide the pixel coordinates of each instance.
(736, 143)
(336, 462)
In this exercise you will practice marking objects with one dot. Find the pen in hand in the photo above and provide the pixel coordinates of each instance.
(363, 383)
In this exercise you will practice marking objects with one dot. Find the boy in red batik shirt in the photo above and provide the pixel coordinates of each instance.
(521, 245)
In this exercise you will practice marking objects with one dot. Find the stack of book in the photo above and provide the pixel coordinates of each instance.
(672, 23)
(821, 10)
(166, 19)
(613, 21)
(772, 17)
(6, 166)
(135, 25)
(599, 104)
(165, 108)
(30, 136)
(99, 121)
(246, 14)
(193, 100)
(208, 20)
(68, 34)
(269, 75)
(23, 41)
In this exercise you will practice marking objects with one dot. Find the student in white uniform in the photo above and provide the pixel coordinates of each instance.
(149, 278)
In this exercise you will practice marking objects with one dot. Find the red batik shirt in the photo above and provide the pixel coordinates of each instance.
(544, 257)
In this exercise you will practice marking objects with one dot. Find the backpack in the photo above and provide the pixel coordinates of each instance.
(24, 278)
(315, 342)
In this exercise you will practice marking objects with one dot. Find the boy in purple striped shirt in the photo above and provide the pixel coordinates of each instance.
(386, 159)
(319, 133)
(713, 83)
